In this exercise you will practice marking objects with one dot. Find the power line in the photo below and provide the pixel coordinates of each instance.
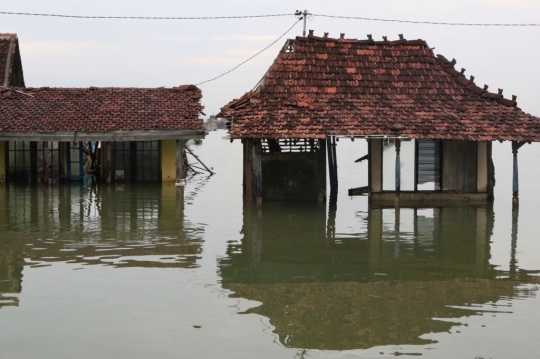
(252, 57)
(423, 22)
(144, 17)
(266, 16)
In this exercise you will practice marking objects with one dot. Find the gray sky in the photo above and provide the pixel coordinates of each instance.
(147, 53)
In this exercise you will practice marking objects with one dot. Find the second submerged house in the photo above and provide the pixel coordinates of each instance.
(140, 132)
(431, 123)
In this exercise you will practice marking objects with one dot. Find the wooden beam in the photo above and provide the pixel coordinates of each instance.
(112, 136)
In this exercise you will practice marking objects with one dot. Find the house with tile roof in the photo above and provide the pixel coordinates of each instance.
(132, 134)
(429, 127)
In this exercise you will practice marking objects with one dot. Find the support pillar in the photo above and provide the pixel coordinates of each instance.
(180, 158)
(516, 145)
(253, 170)
(62, 162)
(106, 162)
(332, 165)
(257, 171)
(513, 247)
(398, 172)
(45, 178)
(3, 169)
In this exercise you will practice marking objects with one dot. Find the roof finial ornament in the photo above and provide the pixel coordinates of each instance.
(342, 35)
(325, 35)
(485, 87)
(453, 62)
(370, 37)
(401, 37)
(385, 38)
(500, 91)
(471, 78)
(310, 32)
(463, 71)
(514, 98)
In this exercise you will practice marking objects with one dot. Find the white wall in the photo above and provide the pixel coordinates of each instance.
(406, 164)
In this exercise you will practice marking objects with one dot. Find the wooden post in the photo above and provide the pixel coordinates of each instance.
(257, 171)
(45, 178)
(180, 170)
(515, 185)
(3, 167)
(398, 172)
(62, 162)
(34, 162)
(331, 164)
(106, 163)
(248, 169)
(334, 157)
(513, 260)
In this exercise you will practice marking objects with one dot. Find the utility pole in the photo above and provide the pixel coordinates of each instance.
(305, 13)
(303, 16)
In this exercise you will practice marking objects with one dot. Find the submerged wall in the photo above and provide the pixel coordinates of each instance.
(294, 175)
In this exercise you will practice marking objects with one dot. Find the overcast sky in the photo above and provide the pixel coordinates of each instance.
(148, 53)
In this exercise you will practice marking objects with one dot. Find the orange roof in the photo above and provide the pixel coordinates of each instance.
(320, 86)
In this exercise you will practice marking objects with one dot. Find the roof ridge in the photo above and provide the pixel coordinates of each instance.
(470, 85)
(369, 40)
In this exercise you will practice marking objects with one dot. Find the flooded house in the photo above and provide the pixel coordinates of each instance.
(132, 134)
(429, 127)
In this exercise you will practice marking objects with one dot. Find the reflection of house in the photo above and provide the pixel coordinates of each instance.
(380, 287)
(396, 94)
(137, 133)
(126, 227)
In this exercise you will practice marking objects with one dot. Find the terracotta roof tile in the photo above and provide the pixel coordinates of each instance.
(343, 86)
(99, 109)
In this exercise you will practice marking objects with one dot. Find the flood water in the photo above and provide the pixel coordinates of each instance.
(152, 271)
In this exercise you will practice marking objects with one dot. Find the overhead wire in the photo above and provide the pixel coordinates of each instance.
(266, 16)
(145, 17)
(252, 57)
(425, 22)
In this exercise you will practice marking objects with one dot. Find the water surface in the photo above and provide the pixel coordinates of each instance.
(144, 271)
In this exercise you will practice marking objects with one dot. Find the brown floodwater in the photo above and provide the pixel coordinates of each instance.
(158, 271)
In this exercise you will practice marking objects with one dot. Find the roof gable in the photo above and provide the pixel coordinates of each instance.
(11, 73)
(320, 86)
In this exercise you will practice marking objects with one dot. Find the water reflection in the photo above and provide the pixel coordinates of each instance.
(131, 226)
(387, 286)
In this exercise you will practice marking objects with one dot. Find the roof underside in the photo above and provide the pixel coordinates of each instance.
(322, 86)
(155, 113)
